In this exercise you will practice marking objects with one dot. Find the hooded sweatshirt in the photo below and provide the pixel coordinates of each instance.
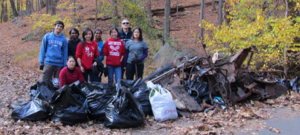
(114, 49)
(54, 50)
(87, 54)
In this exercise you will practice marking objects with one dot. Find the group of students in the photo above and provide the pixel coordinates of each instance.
(75, 60)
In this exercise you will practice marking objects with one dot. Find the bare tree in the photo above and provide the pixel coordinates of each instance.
(220, 14)
(213, 5)
(149, 14)
(18, 5)
(53, 7)
(167, 20)
(12, 3)
(115, 12)
(42, 4)
(4, 16)
(48, 3)
(74, 13)
(96, 13)
(177, 5)
(201, 19)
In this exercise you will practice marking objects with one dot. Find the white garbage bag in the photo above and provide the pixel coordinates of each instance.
(162, 104)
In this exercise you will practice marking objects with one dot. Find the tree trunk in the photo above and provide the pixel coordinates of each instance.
(47, 6)
(74, 13)
(220, 16)
(213, 5)
(53, 7)
(149, 14)
(115, 12)
(177, 9)
(167, 20)
(42, 4)
(4, 11)
(2, 8)
(96, 13)
(31, 5)
(201, 19)
(285, 48)
(12, 3)
(226, 13)
(18, 5)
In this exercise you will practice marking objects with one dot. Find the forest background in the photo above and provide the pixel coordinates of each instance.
(226, 26)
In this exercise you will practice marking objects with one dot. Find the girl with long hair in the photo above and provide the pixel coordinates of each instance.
(86, 51)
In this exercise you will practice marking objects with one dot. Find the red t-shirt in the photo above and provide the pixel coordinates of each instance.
(114, 49)
(67, 78)
(87, 54)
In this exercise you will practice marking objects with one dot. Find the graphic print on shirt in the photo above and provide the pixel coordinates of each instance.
(114, 46)
(88, 52)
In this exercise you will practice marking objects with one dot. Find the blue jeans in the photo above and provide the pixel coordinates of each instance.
(114, 70)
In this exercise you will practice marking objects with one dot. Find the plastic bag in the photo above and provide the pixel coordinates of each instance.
(140, 91)
(201, 86)
(123, 111)
(294, 84)
(69, 106)
(34, 110)
(45, 88)
(163, 106)
(98, 98)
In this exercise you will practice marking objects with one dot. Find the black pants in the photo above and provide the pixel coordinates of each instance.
(130, 71)
(93, 77)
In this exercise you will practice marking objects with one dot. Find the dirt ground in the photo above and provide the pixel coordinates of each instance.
(18, 74)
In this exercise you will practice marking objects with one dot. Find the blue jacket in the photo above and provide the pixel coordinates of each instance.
(54, 50)
(100, 49)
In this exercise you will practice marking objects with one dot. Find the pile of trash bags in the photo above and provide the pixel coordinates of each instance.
(125, 104)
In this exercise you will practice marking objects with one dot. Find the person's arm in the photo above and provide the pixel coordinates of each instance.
(79, 55)
(62, 79)
(105, 53)
(125, 58)
(145, 54)
(101, 51)
(65, 52)
(43, 51)
(69, 49)
(122, 51)
(81, 78)
(104, 61)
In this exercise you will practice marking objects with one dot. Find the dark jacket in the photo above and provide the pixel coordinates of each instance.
(72, 45)
(125, 37)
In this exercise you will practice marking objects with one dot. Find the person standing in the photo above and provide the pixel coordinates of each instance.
(99, 41)
(70, 74)
(73, 42)
(53, 52)
(113, 51)
(86, 51)
(125, 35)
(136, 52)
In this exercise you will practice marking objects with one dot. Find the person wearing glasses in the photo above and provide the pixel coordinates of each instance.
(125, 34)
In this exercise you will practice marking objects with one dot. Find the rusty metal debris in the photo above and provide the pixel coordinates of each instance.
(226, 78)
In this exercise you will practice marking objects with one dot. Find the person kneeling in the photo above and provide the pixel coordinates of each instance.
(70, 74)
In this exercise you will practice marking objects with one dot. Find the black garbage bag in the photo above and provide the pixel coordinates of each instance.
(294, 84)
(284, 82)
(140, 91)
(123, 111)
(98, 99)
(45, 88)
(34, 110)
(202, 88)
(69, 106)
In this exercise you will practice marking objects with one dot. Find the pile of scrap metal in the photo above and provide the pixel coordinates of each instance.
(198, 81)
